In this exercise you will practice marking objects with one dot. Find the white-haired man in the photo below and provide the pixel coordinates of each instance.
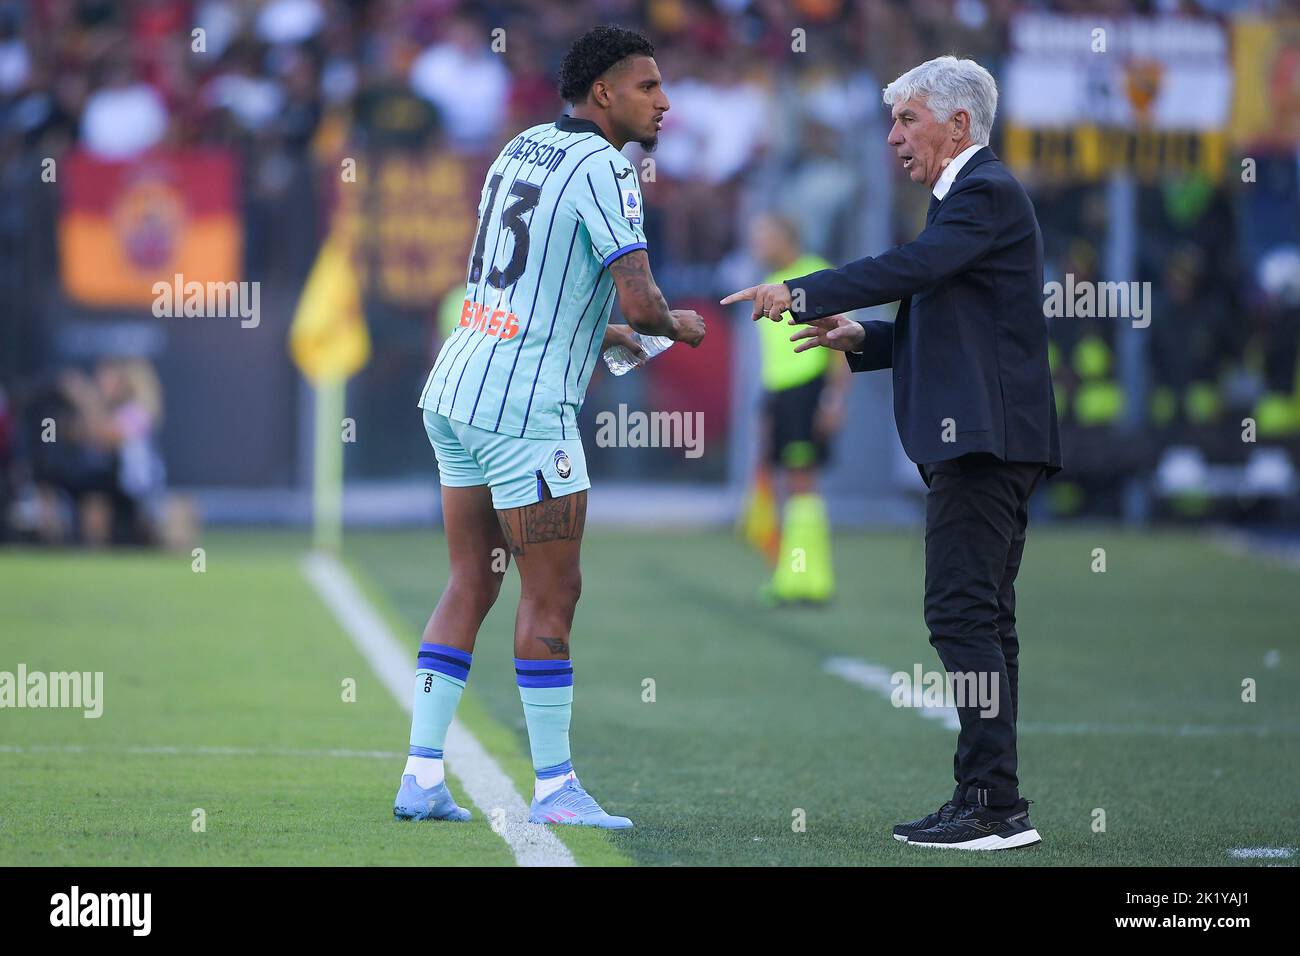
(974, 407)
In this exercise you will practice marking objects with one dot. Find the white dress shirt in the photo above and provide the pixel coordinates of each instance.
(949, 175)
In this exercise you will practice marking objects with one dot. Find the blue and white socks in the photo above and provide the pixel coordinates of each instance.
(440, 676)
(546, 689)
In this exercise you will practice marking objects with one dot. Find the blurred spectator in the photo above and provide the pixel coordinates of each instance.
(123, 117)
(289, 21)
(467, 82)
(15, 61)
(252, 99)
(115, 475)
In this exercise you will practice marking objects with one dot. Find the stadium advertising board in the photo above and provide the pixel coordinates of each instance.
(1086, 97)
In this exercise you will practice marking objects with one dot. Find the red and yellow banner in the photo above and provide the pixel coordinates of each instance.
(126, 225)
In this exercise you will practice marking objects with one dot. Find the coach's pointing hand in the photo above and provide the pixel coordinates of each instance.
(769, 300)
(688, 327)
(834, 332)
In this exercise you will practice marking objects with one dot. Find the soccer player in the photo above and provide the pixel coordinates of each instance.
(559, 233)
(803, 397)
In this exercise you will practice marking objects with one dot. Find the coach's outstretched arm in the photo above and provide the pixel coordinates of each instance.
(965, 230)
(644, 306)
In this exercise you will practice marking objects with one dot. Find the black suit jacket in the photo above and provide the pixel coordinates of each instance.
(969, 342)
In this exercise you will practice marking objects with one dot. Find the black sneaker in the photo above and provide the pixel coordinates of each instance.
(981, 828)
(945, 813)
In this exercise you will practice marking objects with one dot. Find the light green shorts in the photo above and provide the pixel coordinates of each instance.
(514, 468)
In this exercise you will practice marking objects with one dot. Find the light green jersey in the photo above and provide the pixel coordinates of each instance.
(559, 205)
(783, 367)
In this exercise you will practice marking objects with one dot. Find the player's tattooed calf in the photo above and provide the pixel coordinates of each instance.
(556, 645)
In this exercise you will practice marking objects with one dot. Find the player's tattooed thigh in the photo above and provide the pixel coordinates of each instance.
(555, 519)
(556, 645)
(507, 520)
(552, 519)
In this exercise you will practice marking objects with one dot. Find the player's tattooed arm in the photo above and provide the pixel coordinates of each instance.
(639, 298)
(644, 306)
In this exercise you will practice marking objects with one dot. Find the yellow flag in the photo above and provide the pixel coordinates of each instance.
(328, 338)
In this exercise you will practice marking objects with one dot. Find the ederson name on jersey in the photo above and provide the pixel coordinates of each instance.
(559, 205)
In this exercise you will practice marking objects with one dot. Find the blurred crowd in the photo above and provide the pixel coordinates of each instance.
(92, 472)
(756, 126)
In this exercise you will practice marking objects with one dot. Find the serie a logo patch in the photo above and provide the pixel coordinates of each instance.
(631, 205)
(563, 467)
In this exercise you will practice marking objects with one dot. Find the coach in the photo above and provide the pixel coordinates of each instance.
(974, 406)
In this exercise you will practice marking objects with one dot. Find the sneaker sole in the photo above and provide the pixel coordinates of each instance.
(1027, 838)
(576, 823)
(417, 817)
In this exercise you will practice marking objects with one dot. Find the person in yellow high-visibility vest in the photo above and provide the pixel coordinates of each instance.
(803, 404)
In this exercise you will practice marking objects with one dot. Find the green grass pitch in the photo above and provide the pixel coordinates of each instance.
(224, 692)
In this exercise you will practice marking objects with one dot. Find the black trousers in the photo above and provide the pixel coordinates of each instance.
(976, 512)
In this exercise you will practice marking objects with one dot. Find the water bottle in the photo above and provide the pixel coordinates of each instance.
(620, 361)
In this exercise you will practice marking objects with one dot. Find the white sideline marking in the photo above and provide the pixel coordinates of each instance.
(1099, 729)
(877, 678)
(484, 781)
(1262, 853)
(1240, 544)
(199, 751)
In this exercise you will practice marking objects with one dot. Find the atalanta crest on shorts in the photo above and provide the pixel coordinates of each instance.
(563, 467)
(631, 205)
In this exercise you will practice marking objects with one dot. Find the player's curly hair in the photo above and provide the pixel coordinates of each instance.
(595, 52)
